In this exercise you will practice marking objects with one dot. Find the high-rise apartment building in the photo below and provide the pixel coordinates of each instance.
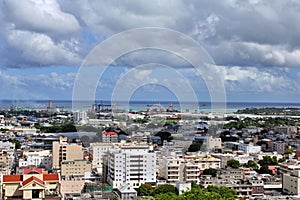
(133, 164)
(65, 151)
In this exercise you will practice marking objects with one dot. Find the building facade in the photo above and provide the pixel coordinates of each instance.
(65, 151)
(132, 164)
(99, 150)
(75, 167)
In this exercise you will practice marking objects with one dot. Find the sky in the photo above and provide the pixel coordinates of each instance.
(254, 45)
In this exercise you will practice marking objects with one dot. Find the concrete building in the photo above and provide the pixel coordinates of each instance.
(109, 137)
(291, 183)
(134, 164)
(33, 184)
(126, 192)
(71, 187)
(213, 143)
(99, 150)
(36, 158)
(249, 148)
(285, 129)
(174, 169)
(75, 167)
(288, 167)
(65, 151)
(205, 161)
(231, 175)
(8, 147)
(5, 162)
(278, 147)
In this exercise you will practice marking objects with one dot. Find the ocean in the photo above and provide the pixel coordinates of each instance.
(198, 107)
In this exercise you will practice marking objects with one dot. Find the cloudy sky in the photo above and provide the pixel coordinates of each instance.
(254, 44)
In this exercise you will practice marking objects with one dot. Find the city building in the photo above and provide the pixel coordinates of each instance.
(109, 136)
(98, 150)
(65, 151)
(278, 147)
(285, 129)
(5, 162)
(205, 161)
(34, 183)
(174, 169)
(231, 175)
(131, 163)
(291, 183)
(288, 167)
(126, 192)
(75, 167)
(71, 187)
(249, 148)
(36, 158)
(213, 143)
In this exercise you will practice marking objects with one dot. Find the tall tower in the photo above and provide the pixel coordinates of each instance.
(50, 104)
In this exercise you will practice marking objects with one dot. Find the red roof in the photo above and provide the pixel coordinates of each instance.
(50, 177)
(27, 170)
(109, 132)
(32, 178)
(12, 178)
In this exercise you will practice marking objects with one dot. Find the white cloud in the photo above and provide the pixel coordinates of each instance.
(43, 16)
(253, 79)
(40, 49)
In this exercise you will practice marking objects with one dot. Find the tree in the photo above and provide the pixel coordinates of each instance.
(164, 135)
(267, 160)
(281, 160)
(165, 188)
(210, 171)
(265, 170)
(251, 164)
(288, 151)
(233, 163)
(17, 144)
(196, 146)
(166, 196)
(144, 190)
(223, 191)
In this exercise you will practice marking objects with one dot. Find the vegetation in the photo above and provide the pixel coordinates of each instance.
(210, 171)
(265, 170)
(59, 128)
(163, 189)
(289, 151)
(196, 193)
(141, 121)
(17, 144)
(233, 164)
(164, 135)
(267, 160)
(265, 163)
(145, 190)
(251, 164)
(171, 122)
(270, 111)
(195, 146)
(259, 122)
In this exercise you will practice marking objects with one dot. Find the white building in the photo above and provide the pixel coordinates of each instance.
(80, 117)
(213, 143)
(249, 148)
(291, 183)
(174, 170)
(98, 151)
(36, 158)
(132, 164)
(278, 147)
(7, 146)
